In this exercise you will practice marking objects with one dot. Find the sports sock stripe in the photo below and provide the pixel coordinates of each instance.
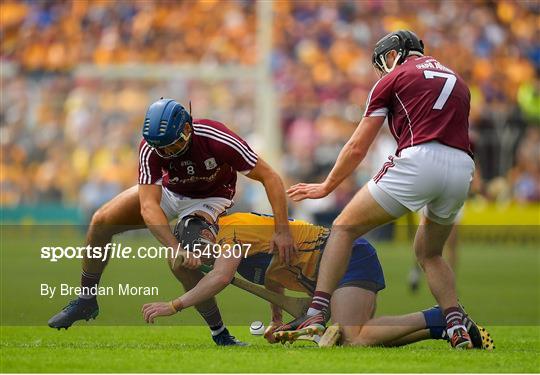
(209, 312)
(323, 300)
(91, 275)
(319, 302)
(454, 318)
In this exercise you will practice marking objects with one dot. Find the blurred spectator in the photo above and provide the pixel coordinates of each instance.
(97, 190)
(524, 177)
(51, 35)
(60, 132)
(529, 101)
(57, 133)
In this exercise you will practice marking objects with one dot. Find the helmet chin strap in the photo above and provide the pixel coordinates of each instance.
(383, 61)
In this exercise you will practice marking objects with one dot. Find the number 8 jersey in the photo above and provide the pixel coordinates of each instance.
(424, 101)
(207, 169)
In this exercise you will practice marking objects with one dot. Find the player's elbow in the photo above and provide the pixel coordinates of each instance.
(271, 178)
(357, 151)
(223, 279)
(147, 209)
(145, 212)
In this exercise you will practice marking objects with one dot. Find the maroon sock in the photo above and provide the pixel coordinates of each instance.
(320, 302)
(89, 282)
(453, 316)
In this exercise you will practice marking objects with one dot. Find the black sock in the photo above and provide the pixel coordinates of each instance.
(89, 284)
(213, 319)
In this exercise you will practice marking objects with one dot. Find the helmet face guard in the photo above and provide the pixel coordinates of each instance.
(401, 41)
(177, 148)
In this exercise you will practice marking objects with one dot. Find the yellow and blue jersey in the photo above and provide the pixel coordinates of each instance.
(254, 232)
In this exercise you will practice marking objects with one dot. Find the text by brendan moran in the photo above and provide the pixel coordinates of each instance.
(50, 291)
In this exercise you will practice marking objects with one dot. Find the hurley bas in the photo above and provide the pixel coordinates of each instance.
(121, 290)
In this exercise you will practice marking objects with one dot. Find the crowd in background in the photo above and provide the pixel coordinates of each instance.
(67, 138)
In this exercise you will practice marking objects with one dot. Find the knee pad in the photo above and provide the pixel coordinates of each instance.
(193, 229)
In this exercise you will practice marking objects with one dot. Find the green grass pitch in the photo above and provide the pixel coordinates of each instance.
(499, 285)
(189, 349)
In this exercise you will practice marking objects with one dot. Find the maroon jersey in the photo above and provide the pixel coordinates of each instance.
(424, 101)
(207, 169)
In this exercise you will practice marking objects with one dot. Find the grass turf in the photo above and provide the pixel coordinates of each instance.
(499, 285)
(189, 349)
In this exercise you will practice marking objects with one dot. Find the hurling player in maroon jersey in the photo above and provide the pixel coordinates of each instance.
(427, 107)
(187, 170)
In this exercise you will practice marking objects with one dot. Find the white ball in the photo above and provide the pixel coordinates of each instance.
(256, 328)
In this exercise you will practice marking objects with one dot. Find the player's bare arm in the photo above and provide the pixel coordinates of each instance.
(209, 286)
(282, 239)
(156, 221)
(349, 158)
(277, 312)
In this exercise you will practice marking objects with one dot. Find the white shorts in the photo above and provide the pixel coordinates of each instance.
(430, 175)
(177, 206)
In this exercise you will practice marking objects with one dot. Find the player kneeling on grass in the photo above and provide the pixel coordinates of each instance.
(353, 304)
(187, 169)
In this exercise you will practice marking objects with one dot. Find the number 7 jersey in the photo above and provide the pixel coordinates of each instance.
(424, 101)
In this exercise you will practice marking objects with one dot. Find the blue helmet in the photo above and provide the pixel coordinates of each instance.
(164, 123)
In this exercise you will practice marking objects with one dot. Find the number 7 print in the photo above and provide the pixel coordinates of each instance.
(450, 81)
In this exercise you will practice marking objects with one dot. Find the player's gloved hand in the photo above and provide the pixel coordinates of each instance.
(186, 260)
(303, 191)
(268, 332)
(152, 310)
(284, 243)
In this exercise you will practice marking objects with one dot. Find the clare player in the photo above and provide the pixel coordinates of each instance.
(427, 107)
(187, 170)
(353, 303)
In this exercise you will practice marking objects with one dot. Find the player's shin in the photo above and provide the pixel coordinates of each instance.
(89, 284)
(387, 329)
(92, 269)
(410, 338)
(333, 266)
(212, 316)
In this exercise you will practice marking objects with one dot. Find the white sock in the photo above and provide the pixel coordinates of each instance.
(311, 311)
(451, 330)
(218, 331)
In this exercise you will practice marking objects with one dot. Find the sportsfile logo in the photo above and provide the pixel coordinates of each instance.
(109, 251)
(119, 251)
